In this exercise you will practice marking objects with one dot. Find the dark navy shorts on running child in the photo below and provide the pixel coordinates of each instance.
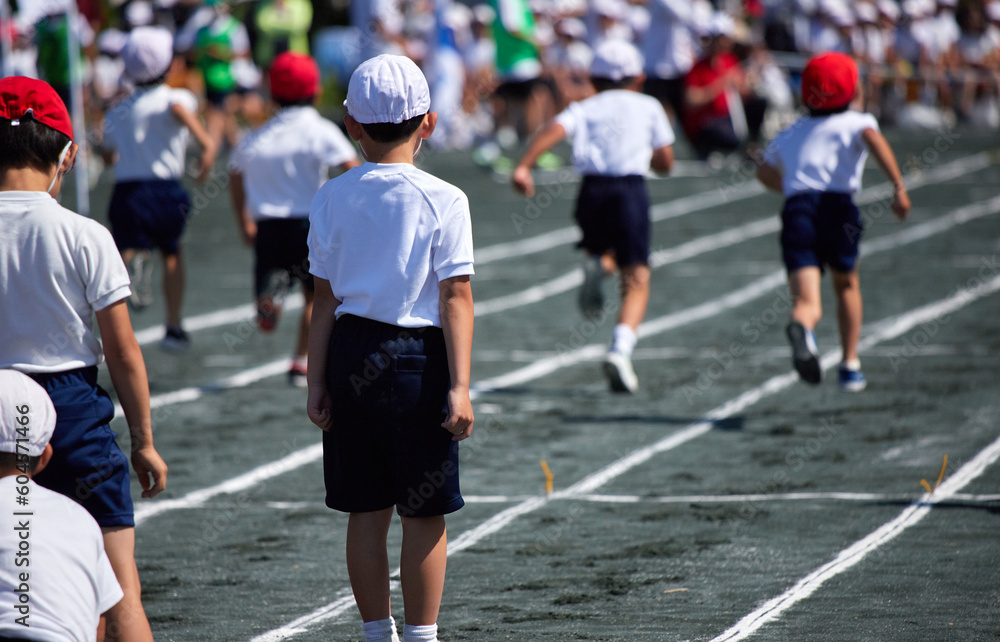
(149, 214)
(820, 229)
(87, 465)
(389, 389)
(613, 214)
(282, 246)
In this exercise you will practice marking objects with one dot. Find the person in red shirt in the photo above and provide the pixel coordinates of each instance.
(722, 110)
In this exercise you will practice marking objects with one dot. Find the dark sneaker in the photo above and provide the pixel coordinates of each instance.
(620, 373)
(140, 273)
(852, 380)
(176, 340)
(272, 299)
(591, 298)
(805, 356)
(297, 374)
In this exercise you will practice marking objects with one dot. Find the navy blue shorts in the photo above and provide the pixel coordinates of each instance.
(819, 229)
(281, 246)
(149, 214)
(389, 390)
(613, 213)
(87, 465)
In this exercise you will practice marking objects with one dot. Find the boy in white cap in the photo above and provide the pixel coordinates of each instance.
(618, 135)
(58, 272)
(275, 173)
(146, 134)
(390, 248)
(56, 581)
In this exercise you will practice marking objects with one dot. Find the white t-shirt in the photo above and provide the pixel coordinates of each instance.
(615, 132)
(286, 160)
(69, 579)
(150, 141)
(822, 154)
(56, 269)
(668, 46)
(384, 236)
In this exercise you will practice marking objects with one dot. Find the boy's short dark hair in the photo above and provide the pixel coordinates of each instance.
(29, 144)
(154, 82)
(18, 461)
(301, 102)
(392, 132)
(607, 84)
(817, 113)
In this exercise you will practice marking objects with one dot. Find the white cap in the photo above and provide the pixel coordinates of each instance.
(572, 27)
(609, 8)
(866, 13)
(148, 53)
(111, 41)
(484, 14)
(616, 59)
(888, 8)
(993, 11)
(139, 13)
(387, 89)
(22, 400)
(721, 24)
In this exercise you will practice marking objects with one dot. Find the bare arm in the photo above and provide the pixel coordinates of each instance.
(770, 176)
(543, 142)
(323, 316)
(879, 148)
(245, 223)
(193, 123)
(457, 321)
(663, 159)
(128, 374)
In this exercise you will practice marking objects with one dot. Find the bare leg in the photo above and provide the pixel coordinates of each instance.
(849, 309)
(368, 562)
(422, 566)
(804, 285)
(302, 342)
(173, 287)
(635, 295)
(127, 619)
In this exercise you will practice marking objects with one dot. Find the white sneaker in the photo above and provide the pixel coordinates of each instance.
(591, 297)
(620, 373)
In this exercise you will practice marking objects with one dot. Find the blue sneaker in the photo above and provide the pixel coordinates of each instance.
(805, 356)
(852, 380)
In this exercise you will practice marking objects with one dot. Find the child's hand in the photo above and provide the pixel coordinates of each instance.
(460, 417)
(206, 163)
(522, 181)
(901, 204)
(319, 408)
(148, 464)
(249, 231)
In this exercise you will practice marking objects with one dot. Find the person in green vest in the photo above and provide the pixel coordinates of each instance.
(216, 46)
(282, 25)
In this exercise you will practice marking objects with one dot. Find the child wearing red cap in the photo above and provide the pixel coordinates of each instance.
(276, 170)
(58, 271)
(817, 163)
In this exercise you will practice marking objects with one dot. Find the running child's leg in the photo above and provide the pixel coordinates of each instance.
(173, 287)
(804, 284)
(368, 562)
(635, 295)
(302, 342)
(127, 619)
(847, 285)
(423, 559)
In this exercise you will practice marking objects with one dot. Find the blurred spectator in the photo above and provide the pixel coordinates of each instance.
(282, 25)
(216, 46)
(669, 52)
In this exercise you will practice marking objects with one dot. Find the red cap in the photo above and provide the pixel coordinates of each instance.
(294, 76)
(829, 81)
(19, 95)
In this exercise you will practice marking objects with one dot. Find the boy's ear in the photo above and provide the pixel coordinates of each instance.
(428, 125)
(43, 459)
(70, 161)
(354, 129)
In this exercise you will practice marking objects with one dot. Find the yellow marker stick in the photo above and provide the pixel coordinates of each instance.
(548, 477)
(927, 486)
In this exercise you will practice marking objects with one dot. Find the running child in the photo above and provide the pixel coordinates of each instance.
(390, 248)
(817, 163)
(275, 172)
(618, 135)
(58, 271)
(146, 134)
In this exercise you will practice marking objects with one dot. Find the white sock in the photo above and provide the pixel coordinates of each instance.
(380, 631)
(851, 364)
(624, 340)
(425, 633)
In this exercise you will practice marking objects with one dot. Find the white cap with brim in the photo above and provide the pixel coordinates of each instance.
(721, 25)
(616, 60)
(27, 416)
(387, 89)
(148, 53)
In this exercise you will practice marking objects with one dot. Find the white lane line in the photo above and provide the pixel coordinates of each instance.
(726, 238)
(853, 554)
(884, 331)
(215, 319)
(546, 366)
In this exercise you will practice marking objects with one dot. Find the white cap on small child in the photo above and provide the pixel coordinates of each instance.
(27, 417)
(147, 53)
(387, 89)
(615, 60)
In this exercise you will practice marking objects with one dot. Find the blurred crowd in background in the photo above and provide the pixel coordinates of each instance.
(726, 71)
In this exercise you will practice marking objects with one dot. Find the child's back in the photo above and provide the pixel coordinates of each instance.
(150, 141)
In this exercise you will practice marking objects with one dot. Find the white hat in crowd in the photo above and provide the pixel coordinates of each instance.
(721, 24)
(387, 89)
(616, 59)
(26, 414)
(148, 53)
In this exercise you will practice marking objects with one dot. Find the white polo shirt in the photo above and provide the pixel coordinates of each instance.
(150, 141)
(69, 579)
(824, 154)
(615, 132)
(384, 236)
(56, 269)
(286, 160)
